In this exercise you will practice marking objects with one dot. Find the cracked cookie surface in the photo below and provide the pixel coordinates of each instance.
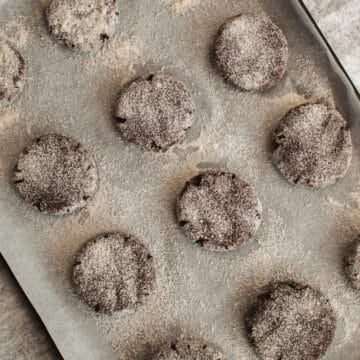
(113, 272)
(313, 146)
(291, 321)
(56, 174)
(155, 112)
(352, 265)
(218, 210)
(12, 72)
(82, 24)
(251, 52)
(189, 350)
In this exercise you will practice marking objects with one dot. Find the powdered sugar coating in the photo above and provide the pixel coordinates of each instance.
(82, 24)
(154, 113)
(313, 146)
(189, 350)
(292, 321)
(218, 210)
(251, 52)
(113, 272)
(12, 72)
(56, 174)
(353, 265)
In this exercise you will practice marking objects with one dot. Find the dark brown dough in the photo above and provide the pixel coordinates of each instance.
(353, 265)
(312, 146)
(12, 72)
(189, 350)
(56, 174)
(218, 210)
(113, 272)
(154, 113)
(291, 321)
(82, 24)
(251, 52)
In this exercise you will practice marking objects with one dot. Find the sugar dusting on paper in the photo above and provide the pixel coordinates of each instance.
(121, 55)
(16, 32)
(348, 206)
(181, 6)
(7, 118)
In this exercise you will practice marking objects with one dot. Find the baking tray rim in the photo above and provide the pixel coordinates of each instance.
(304, 14)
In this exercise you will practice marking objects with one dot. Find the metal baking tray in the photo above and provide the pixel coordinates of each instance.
(199, 294)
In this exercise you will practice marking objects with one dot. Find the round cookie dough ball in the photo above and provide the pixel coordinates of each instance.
(113, 272)
(251, 52)
(189, 350)
(353, 265)
(292, 321)
(82, 24)
(218, 210)
(12, 72)
(312, 146)
(154, 113)
(56, 174)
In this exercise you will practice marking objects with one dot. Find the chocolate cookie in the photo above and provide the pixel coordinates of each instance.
(82, 24)
(12, 72)
(154, 113)
(218, 210)
(189, 350)
(353, 265)
(292, 321)
(312, 146)
(56, 174)
(113, 272)
(251, 52)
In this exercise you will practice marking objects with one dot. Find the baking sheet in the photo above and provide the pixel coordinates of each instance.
(199, 294)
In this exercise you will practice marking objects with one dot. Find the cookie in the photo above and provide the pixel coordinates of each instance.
(12, 72)
(154, 113)
(312, 146)
(291, 321)
(189, 350)
(56, 174)
(113, 272)
(82, 24)
(218, 210)
(352, 265)
(251, 52)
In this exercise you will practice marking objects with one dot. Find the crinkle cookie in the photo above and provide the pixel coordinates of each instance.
(82, 24)
(12, 72)
(113, 272)
(155, 112)
(313, 146)
(56, 174)
(218, 210)
(189, 350)
(251, 52)
(291, 321)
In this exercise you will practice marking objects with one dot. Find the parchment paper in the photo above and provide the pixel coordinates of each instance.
(199, 294)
